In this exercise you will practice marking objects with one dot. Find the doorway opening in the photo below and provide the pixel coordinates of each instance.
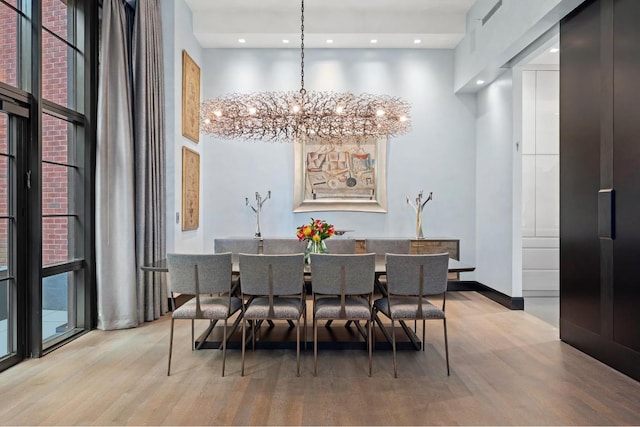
(541, 181)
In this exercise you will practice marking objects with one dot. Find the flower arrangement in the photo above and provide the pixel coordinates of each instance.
(316, 231)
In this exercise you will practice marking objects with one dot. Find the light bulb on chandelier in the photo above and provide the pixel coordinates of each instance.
(288, 116)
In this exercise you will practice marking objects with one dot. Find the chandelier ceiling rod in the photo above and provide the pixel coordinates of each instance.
(289, 116)
(302, 89)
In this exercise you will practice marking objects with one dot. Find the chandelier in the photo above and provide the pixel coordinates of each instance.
(289, 116)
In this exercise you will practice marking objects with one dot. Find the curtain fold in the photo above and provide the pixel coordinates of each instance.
(130, 166)
(115, 208)
(149, 148)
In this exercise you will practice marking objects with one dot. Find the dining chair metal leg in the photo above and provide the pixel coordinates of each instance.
(369, 322)
(298, 346)
(224, 345)
(424, 324)
(244, 338)
(170, 347)
(373, 328)
(393, 342)
(315, 346)
(446, 345)
(193, 341)
(304, 335)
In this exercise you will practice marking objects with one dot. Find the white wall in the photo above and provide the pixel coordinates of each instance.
(437, 155)
(177, 35)
(497, 200)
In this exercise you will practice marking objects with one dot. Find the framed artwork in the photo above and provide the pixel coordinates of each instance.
(190, 189)
(190, 98)
(345, 175)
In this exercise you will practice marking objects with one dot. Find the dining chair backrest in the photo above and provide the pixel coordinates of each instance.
(343, 274)
(199, 274)
(283, 273)
(418, 275)
(341, 246)
(273, 246)
(387, 246)
(237, 246)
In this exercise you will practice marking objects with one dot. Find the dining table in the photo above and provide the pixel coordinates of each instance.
(412, 340)
(455, 266)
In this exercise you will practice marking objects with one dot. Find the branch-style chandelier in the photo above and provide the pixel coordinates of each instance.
(288, 116)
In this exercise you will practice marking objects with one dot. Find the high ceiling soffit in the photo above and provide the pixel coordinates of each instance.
(437, 24)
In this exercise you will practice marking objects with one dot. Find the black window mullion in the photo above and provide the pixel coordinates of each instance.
(62, 113)
(49, 162)
(34, 204)
(63, 267)
(69, 44)
(67, 215)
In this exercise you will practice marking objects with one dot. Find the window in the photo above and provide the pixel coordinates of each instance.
(47, 285)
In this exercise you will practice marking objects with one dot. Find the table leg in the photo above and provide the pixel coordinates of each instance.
(407, 330)
(206, 334)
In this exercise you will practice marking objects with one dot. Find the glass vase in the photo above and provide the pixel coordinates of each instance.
(314, 248)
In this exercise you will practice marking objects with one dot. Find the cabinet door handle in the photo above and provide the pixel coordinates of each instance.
(29, 180)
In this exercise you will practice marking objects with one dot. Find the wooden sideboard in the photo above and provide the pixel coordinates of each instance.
(426, 246)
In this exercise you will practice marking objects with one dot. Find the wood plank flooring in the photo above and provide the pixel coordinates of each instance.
(507, 368)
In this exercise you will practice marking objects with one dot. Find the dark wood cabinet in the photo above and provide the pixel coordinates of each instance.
(600, 182)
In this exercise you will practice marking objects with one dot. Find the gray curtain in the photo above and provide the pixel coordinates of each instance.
(130, 168)
(115, 207)
(148, 88)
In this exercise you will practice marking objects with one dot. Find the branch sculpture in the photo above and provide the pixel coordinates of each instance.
(257, 209)
(419, 207)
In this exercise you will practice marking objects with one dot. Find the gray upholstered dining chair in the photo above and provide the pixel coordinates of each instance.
(342, 289)
(341, 246)
(381, 247)
(274, 246)
(201, 275)
(236, 246)
(274, 286)
(411, 278)
(387, 246)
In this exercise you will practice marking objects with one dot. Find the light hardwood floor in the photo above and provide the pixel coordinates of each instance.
(507, 367)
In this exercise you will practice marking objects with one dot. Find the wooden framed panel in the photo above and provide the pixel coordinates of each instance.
(190, 189)
(190, 98)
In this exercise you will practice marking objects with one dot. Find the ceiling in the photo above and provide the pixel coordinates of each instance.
(437, 24)
(549, 56)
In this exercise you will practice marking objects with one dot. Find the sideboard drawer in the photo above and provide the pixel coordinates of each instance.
(452, 247)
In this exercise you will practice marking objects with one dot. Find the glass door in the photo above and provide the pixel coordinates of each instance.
(7, 219)
(12, 287)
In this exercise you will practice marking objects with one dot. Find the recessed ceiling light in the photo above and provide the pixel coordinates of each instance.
(285, 41)
(479, 82)
(374, 41)
(417, 41)
(329, 41)
(242, 41)
(554, 50)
